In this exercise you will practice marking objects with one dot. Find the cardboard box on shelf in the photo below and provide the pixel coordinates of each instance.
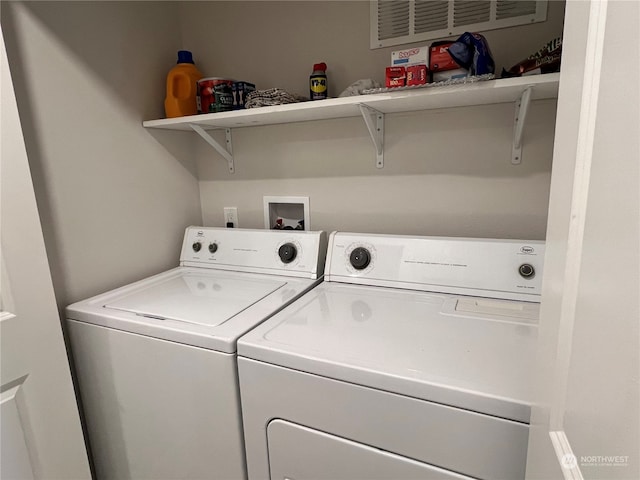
(395, 77)
(416, 75)
(410, 56)
(439, 58)
(449, 75)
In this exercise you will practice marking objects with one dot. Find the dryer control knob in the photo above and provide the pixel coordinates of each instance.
(196, 246)
(287, 252)
(360, 258)
(526, 270)
(213, 247)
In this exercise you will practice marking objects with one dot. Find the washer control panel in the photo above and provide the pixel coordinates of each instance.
(261, 251)
(510, 269)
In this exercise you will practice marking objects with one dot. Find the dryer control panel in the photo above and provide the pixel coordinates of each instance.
(509, 269)
(286, 252)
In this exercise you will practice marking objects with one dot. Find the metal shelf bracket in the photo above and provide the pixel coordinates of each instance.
(375, 124)
(522, 108)
(227, 152)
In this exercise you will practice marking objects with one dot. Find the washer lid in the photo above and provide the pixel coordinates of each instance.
(198, 299)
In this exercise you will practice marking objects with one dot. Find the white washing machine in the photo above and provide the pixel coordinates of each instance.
(413, 360)
(156, 360)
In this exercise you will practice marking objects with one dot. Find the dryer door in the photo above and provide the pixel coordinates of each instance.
(300, 453)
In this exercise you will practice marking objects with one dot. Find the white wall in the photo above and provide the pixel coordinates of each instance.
(588, 401)
(446, 172)
(276, 43)
(602, 404)
(113, 200)
(540, 449)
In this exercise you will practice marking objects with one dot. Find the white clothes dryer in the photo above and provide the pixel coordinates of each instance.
(156, 360)
(413, 360)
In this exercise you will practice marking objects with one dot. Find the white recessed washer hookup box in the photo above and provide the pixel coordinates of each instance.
(286, 213)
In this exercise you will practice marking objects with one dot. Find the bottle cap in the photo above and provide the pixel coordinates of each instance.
(320, 66)
(184, 56)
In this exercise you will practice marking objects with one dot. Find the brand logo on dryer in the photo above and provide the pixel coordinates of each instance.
(527, 250)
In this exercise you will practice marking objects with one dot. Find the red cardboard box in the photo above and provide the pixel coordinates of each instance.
(439, 58)
(416, 75)
(395, 77)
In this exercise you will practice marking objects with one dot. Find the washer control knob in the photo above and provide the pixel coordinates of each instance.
(287, 252)
(213, 247)
(360, 258)
(526, 270)
(196, 246)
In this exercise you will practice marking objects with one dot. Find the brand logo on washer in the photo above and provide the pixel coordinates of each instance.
(527, 250)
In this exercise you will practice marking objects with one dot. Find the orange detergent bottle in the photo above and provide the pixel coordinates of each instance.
(182, 83)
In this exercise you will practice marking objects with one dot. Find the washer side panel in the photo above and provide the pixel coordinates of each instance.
(157, 409)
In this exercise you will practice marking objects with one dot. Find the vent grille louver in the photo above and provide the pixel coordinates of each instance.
(431, 15)
(393, 18)
(511, 8)
(470, 12)
(396, 22)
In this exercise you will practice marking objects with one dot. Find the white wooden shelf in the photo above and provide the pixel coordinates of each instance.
(519, 91)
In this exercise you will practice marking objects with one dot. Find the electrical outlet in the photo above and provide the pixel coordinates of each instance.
(231, 217)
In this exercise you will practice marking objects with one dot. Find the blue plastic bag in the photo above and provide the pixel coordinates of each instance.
(471, 51)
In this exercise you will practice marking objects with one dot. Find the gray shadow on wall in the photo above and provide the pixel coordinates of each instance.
(120, 58)
(119, 55)
(180, 145)
(33, 148)
(116, 53)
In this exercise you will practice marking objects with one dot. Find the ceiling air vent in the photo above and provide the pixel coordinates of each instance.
(396, 22)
